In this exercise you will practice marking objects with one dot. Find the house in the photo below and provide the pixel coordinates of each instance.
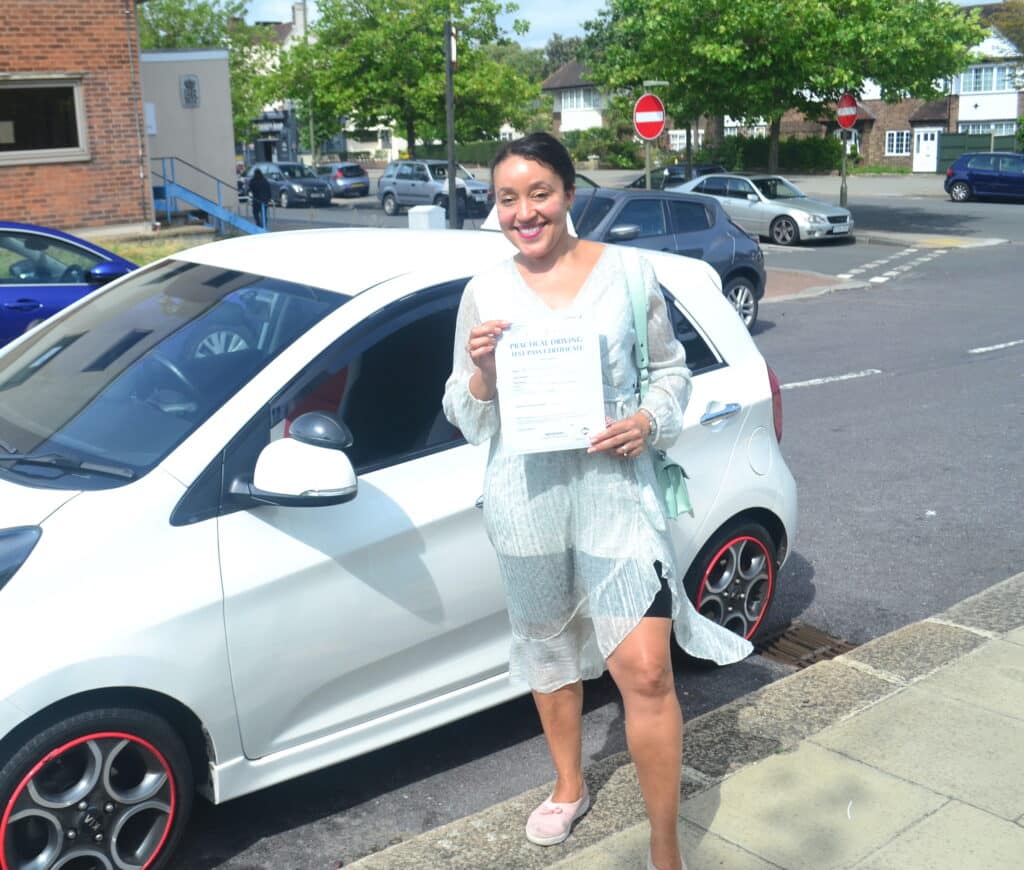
(72, 130)
(578, 105)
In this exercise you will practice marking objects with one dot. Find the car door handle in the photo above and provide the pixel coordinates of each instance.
(720, 414)
(480, 502)
(23, 305)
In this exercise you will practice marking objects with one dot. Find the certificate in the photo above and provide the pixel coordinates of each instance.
(550, 395)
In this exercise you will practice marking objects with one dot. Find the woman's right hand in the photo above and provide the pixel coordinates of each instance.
(483, 339)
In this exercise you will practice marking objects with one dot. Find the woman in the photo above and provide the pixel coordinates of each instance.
(581, 535)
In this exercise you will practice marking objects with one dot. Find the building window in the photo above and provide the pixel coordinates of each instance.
(897, 143)
(980, 79)
(999, 128)
(579, 98)
(42, 120)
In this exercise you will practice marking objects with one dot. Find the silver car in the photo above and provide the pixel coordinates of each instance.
(772, 207)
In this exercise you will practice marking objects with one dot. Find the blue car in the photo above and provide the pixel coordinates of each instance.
(995, 174)
(44, 270)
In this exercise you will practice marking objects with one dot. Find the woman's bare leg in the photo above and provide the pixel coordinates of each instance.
(642, 669)
(561, 716)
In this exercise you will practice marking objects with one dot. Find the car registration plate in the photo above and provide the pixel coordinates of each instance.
(840, 228)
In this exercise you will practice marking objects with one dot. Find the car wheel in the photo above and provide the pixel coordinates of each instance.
(740, 292)
(283, 200)
(784, 231)
(389, 204)
(107, 788)
(959, 191)
(221, 340)
(442, 201)
(732, 580)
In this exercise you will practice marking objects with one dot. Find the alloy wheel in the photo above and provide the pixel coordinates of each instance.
(784, 231)
(741, 295)
(960, 191)
(737, 584)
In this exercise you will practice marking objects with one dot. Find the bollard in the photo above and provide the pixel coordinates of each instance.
(426, 217)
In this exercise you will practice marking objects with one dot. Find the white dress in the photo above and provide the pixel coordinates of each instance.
(577, 534)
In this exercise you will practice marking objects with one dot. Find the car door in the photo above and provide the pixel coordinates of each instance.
(39, 275)
(718, 188)
(754, 215)
(1011, 175)
(364, 613)
(405, 184)
(692, 231)
(648, 215)
(983, 174)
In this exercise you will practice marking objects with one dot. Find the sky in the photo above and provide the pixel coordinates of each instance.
(565, 17)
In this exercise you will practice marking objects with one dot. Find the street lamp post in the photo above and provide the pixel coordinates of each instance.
(650, 83)
(454, 216)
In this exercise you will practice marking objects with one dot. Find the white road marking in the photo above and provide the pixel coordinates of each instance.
(877, 280)
(831, 379)
(993, 347)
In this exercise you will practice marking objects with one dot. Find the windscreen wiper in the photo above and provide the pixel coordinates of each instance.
(69, 463)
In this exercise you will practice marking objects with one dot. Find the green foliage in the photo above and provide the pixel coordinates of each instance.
(217, 24)
(384, 62)
(1020, 134)
(469, 153)
(1009, 19)
(756, 59)
(614, 143)
(742, 153)
(559, 50)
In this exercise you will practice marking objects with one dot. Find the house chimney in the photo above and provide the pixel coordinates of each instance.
(298, 20)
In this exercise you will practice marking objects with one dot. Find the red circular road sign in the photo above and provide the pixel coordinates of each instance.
(649, 117)
(846, 111)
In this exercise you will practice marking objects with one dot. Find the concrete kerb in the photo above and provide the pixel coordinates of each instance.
(775, 719)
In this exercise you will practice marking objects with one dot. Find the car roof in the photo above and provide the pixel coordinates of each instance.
(625, 193)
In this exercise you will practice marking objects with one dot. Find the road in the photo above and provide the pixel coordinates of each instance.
(903, 404)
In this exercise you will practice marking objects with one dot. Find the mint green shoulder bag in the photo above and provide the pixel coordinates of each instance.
(671, 478)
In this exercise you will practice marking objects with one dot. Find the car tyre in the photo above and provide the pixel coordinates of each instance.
(732, 580)
(389, 204)
(740, 293)
(784, 231)
(114, 785)
(960, 191)
(283, 200)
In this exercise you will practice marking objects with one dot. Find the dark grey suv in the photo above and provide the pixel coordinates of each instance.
(687, 224)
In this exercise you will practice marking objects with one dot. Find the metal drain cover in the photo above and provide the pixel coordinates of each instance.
(799, 645)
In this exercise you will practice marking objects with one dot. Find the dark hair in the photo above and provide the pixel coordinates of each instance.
(543, 148)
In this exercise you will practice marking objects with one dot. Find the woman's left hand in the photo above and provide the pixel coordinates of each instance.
(625, 438)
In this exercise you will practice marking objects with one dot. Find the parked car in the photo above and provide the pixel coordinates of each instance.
(290, 184)
(695, 226)
(43, 270)
(774, 208)
(675, 173)
(996, 174)
(425, 182)
(245, 571)
(345, 179)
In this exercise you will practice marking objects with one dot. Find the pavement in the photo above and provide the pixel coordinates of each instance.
(906, 752)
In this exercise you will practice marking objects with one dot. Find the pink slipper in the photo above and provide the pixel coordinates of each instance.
(552, 823)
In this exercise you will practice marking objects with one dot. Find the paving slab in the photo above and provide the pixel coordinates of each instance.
(917, 650)
(956, 837)
(628, 851)
(1015, 636)
(998, 609)
(951, 747)
(991, 678)
(811, 809)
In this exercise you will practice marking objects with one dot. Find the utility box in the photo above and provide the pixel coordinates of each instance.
(426, 217)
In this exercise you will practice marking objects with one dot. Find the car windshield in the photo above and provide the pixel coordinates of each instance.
(296, 170)
(119, 382)
(440, 170)
(777, 188)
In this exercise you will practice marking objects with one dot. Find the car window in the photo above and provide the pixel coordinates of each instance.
(738, 188)
(646, 214)
(981, 161)
(588, 210)
(405, 171)
(688, 217)
(699, 355)
(1012, 165)
(777, 188)
(32, 258)
(122, 380)
(713, 186)
(392, 409)
(390, 171)
(420, 173)
(352, 171)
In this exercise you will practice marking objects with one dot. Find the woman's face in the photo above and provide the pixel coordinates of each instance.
(532, 205)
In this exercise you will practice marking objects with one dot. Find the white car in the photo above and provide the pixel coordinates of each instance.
(225, 565)
(772, 207)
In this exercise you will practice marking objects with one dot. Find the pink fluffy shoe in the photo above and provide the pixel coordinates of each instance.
(552, 823)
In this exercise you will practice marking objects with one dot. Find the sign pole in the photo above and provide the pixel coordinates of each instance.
(842, 171)
(647, 164)
(454, 217)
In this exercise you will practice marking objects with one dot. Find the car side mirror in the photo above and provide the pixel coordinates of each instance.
(102, 273)
(624, 233)
(753, 197)
(275, 176)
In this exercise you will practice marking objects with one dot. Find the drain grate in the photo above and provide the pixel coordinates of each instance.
(800, 645)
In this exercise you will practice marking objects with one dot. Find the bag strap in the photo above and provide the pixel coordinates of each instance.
(638, 300)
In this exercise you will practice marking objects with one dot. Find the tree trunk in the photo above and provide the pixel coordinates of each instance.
(773, 145)
(410, 135)
(688, 127)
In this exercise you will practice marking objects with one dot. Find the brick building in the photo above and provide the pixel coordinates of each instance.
(72, 140)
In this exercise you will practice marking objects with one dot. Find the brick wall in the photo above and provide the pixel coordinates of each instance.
(98, 39)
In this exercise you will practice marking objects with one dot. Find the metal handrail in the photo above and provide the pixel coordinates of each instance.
(168, 174)
(182, 160)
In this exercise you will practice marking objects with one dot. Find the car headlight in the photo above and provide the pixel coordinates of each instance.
(296, 187)
(15, 545)
(817, 219)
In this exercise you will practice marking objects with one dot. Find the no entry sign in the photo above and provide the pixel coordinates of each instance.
(846, 111)
(649, 117)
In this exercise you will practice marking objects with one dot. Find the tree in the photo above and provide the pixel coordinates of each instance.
(384, 63)
(217, 24)
(760, 58)
(1009, 20)
(559, 50)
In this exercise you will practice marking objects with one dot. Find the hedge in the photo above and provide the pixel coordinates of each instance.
(741, 153)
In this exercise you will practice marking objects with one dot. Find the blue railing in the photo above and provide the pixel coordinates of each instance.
(168, 192)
